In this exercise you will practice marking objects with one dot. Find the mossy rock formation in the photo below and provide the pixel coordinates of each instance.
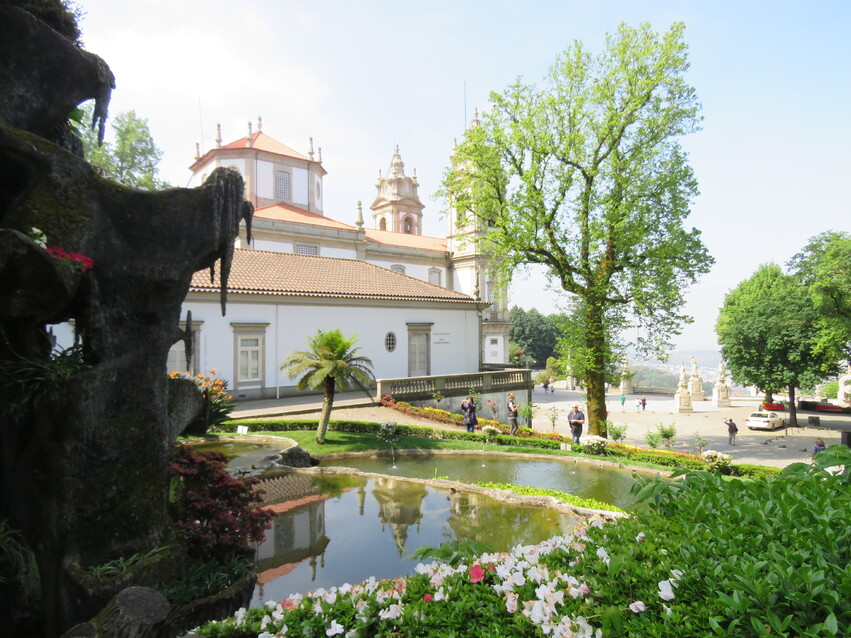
(84, 448)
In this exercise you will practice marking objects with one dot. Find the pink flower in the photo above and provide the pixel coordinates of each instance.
(476, 573)
(637, 607)
(427, 598)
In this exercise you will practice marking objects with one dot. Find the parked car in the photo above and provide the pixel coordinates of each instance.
(764, 421)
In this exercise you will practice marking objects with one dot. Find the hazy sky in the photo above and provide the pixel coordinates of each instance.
(772, 159)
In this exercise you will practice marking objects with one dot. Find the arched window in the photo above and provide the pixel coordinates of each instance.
(382, 225)
(399, 268)
(409, 227)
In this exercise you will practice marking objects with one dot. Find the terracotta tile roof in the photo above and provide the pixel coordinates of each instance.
(290, 213)
(261, 141)
(269, 273)
(402, 239)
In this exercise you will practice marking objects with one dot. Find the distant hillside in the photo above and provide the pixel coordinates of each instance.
(704, 358)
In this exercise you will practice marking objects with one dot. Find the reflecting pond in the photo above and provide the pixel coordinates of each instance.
(241, 454)
(331, 530)
(603, 483)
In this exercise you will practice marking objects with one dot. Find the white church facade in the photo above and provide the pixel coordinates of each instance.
(420, 305)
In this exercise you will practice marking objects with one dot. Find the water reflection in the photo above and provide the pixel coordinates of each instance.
(605, 484)
(330, 530)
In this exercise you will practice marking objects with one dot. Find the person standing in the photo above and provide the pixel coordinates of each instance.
(637, 404)
(576, 420)
(468, 407)
(732, 430)
(512, 414)
(623, 401)
(819, 446)
(643, 403)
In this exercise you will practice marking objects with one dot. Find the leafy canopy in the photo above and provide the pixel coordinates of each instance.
(586, 176)
(769, 333)
(131, 157)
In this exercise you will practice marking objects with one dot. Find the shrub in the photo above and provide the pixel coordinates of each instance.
(718, 462)
(652, 439)
(217, 401)
(215, 513)
(595, 445)
(616, 432)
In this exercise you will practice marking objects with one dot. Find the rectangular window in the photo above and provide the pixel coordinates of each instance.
(250, 359)
(434, 276)
(306, 249)
(282, 185)
(249, 354)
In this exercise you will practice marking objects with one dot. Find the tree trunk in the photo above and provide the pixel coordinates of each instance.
(793, 412)
(595, 376)
(327, 404)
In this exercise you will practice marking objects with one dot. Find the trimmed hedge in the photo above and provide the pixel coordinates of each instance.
(527, 439)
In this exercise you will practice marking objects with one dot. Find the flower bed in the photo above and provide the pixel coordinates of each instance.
(708, 557)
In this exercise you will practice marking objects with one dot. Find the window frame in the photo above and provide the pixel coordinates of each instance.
(249, 331)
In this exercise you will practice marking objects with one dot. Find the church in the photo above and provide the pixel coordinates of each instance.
(419, 305)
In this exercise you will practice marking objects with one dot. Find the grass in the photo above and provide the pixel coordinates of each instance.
(337, 442)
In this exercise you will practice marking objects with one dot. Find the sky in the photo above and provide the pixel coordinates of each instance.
(774, 79)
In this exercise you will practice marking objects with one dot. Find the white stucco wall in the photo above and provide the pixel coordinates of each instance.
(417, 271)
(454, 336)
(299, 186)
(265, 180)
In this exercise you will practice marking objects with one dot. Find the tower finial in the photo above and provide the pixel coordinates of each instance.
(218, 135)
(320, 155)
(475, 121)
(250, 134)
(259, 123)
(359, 220)
(310, 152)
(197, 151)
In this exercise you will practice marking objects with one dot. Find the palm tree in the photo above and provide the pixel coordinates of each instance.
(330, 363)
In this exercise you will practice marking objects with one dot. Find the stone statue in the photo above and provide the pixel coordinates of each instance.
(695, 383)
(85, 438)
(682, 397)
(721, 391)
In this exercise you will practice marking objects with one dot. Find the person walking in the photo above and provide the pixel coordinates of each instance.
(512, 414)
(623, 401)
(576, 420)
(468, 408)
(637, 404)
(643, 403)
(731, 431)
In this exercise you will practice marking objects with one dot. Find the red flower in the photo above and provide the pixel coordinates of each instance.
(427, 598)
(476, 573)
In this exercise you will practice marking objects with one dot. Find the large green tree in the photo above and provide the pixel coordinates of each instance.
(586, 176)
(824, 266)
(129, 156)
(330, 363)
(769, 333)
(535, 333)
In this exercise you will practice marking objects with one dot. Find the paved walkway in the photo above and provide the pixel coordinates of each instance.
(779, 448)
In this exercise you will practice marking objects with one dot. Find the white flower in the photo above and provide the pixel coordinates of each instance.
(335, 629)
(391, 613)
(511, 602)
(667, 610)
(239, 616)
(676, 574)
(266, 620)
(603, 554)
(666, 590)
(640, 537)
(637, 607)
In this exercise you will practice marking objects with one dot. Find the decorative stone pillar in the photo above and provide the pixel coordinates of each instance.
(721, 391)
(682, 398)
(626, 381)
(695, 383)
